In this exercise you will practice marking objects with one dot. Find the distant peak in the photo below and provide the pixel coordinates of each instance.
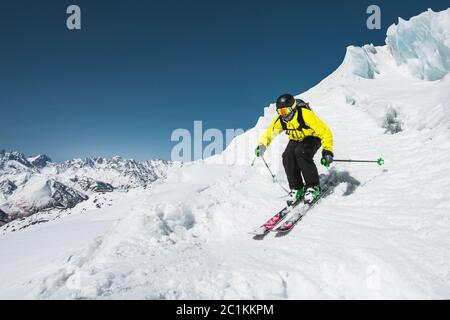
(40, 161)
(15, 156)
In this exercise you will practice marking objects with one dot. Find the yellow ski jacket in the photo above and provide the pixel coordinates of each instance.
(317, 128)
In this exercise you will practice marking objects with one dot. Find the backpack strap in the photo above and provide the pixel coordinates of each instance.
(302, 105)
(283, 124)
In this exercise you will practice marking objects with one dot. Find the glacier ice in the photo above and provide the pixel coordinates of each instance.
(359, 61)
(422, 44)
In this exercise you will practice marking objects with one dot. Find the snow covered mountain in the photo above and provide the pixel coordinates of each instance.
(35, 184)
(384, 232)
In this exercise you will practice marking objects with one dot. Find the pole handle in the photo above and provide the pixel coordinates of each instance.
(325, 163)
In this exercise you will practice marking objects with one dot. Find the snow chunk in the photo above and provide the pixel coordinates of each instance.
(422, 44)
(359, 61)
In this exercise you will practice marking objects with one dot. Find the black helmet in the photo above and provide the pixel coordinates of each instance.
(286, 100)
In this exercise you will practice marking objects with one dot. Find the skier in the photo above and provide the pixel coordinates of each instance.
(306, 134)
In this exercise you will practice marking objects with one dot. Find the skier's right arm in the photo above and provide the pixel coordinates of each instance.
(271, 133)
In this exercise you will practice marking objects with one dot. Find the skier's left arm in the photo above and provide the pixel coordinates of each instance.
(320, 129)
(267, 137)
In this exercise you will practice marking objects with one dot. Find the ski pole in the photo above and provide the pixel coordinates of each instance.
(380, 161)
(274, 176)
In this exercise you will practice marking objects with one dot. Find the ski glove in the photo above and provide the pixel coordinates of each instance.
(260, 150)
(327, 158)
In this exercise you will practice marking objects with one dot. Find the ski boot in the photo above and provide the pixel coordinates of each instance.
(311, 194)
(295, 195)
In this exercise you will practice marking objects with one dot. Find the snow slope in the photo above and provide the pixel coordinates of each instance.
(384, 232)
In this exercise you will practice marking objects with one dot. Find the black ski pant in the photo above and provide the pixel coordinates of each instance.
(298, 161)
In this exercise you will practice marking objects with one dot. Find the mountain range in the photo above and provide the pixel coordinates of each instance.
(32, 184)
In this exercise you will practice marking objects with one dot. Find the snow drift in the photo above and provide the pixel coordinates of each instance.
(382, 233)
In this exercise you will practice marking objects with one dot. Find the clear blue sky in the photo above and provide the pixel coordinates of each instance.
(140, 69)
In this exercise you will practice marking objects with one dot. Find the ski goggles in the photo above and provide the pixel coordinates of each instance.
(286, 110)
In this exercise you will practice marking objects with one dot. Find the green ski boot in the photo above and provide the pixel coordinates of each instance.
(295, 195)
(311, 194)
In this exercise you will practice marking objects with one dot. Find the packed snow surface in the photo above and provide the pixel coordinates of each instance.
(384, 232)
